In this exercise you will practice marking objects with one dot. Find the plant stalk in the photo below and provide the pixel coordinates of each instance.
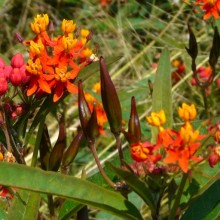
(107, 179)
(178, 197)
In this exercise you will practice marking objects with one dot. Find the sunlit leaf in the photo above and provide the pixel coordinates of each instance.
(79, 190)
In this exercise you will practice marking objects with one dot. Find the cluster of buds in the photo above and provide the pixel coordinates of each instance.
(14, 73)
(214, 157)
(14, 110)
(54, 62)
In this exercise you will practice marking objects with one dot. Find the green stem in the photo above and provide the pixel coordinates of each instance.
(107, 179)
(119, 147)
(37, 143)
(205, 101)
(178, 197)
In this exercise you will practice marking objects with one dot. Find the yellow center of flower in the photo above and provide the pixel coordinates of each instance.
(188, 135)
(34, 68)
(87, 52)
(36, 48)
(187, 112)
(40, 23)
(69, 42)
(62, 74)
(68, 26)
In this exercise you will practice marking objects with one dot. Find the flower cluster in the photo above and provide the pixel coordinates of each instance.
(54, 63)
(211, 8)
(14, 73)
(179, 147)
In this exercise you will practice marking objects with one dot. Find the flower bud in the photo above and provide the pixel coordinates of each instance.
(110, 99)
(3, 86)
(83, 107)
(15, 77)
(58, 149)
(92, 130)
(134, 127)
(17, 60)
(71, 152)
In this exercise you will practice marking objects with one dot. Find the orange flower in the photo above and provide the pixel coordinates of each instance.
(211, 8)
(144, 151)
(54, 72)
(183, 147)
(37, 78)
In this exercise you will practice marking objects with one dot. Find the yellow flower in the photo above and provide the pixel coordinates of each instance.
(87, 52)
(36, 47)
(68, 26)
(34, 68)
(188, 135)
(97, 87)
(40, 23)
(69, 42)
(187, 112)
(84, 33)
(157, 118)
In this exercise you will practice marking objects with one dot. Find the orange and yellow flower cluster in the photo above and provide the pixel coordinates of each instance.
(179, 147)
(54, 63)
(211, 8)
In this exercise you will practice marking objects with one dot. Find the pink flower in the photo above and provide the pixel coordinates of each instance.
(17, 60)
(15, 77)
(3, 85)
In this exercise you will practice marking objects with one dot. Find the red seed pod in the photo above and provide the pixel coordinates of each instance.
(71, 152)
(83, 107)
(58, 149)
(134, 128)
(110, 99)
(92, 129)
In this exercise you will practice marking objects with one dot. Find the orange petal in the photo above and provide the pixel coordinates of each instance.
(71, 87)
(44, 86)
(172, 157)
(32, 88)
(184, 161)
(58, 92)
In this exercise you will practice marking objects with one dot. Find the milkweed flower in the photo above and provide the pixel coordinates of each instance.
(211, 8)
(157, 119)
(214, 158)
(54, 63)
(187, 112)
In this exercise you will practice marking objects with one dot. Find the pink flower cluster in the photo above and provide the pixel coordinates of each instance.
(15, 73)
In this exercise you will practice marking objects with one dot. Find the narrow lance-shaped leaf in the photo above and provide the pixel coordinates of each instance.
(59, 147)
(135, 184)
(82, 191)
(110, 99)
(162, 98)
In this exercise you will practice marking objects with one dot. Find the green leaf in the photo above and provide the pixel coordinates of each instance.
(68, 209)
(206, 206)
(82, 191)
(24, 206)
(135, 184)
(162, 91)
